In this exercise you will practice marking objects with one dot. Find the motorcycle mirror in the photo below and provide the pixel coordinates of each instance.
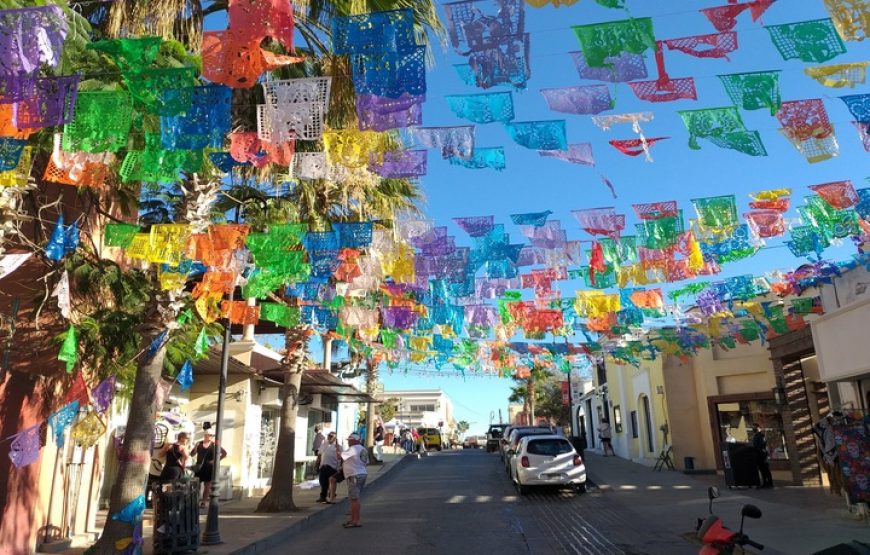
(750, 511)
(713, 492)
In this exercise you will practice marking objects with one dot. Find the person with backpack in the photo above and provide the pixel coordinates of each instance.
(354, 460)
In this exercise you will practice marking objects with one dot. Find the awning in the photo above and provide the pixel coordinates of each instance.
(322, 382)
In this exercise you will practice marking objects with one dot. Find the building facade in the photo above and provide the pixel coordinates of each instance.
(422, 408)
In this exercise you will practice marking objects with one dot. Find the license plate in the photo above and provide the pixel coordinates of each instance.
(552, 476)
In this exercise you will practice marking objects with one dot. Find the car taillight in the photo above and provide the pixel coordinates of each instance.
(524, 462)
(577, 460)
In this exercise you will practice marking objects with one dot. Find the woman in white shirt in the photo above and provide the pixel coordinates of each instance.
(328, 465)
(354, 460)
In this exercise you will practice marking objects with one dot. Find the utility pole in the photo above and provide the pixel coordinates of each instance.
(500, 419)
(570, 405)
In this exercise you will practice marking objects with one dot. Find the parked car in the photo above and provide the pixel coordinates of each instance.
(514, 441)
(432, 437)
(493, 437)
(547, 460)
(470, 442)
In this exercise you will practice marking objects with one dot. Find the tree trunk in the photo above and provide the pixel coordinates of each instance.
(530, 395)
(135, 456)
(371, 384)
(280, 495)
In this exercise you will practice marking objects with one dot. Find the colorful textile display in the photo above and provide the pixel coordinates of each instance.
(50, 103)
(605, 123)
(539, 135)
(482, 158)
(476, 226)
(247, 148)
(839, 75)
(636, 147)
(103, 394)
(716, 45)
(502, 64)
(859, 106)
(18, 176)
(64, 240)
(716, 214)
(31, 37)
(589, 99)
(470, 28)
(185, 376)
(621, 68)
(452, 141)
(482, 108)
(390, 74)
(839, 194)
(600, 221)
(204, 124)
(765, 223)
(231, 59)
(380, 113)
(25, 445)
(352, 148)
(579, 153)
(809, 41)
(754, 91)
(11, 151)
(805, 123)
(724, 128)
(600, 41)
(850, 17)
(294, 108)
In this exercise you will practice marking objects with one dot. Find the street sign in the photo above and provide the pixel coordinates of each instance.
(565, 394)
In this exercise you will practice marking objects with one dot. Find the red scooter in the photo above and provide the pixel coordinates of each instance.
(719, 540)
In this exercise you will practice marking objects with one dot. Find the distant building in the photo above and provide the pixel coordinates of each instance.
(516, 414)
(424, 408)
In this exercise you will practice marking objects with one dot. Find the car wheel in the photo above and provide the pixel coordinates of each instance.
(521, 489)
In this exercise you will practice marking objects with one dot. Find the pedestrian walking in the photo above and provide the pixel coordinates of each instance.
(759, 442)
(379, 442)
(203, 466)
(328, 467)
(354, 460)
(176, 459)
(605, 435)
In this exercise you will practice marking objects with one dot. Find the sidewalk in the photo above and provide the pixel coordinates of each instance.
(244, 531)
(797, 520)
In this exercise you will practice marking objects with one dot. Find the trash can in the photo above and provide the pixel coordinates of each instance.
(688, 463)
(176, 517)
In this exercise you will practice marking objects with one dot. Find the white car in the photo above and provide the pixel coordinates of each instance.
(547, 460)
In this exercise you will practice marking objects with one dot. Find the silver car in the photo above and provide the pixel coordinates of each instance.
(547, 460)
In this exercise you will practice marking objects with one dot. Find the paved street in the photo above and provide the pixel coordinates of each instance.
(462, 501)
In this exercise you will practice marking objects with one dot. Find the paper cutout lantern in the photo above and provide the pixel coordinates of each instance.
(809, 41)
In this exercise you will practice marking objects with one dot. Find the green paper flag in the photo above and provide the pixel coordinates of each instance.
(716, 213)
(69, 351)
(754, 91)
(724, 128)
(119, 235)
(285, 316)
(601, 41)
(201, 345)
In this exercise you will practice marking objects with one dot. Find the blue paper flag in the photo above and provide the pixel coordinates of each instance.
(185, 376)
(61, 420)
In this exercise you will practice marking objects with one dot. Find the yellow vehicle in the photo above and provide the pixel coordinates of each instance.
(432, 438)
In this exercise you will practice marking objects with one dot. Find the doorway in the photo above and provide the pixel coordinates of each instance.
(590, 433)
(647, 422)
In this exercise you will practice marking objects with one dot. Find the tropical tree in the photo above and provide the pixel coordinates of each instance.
(526, 390)
(388, 408)
(462, 426)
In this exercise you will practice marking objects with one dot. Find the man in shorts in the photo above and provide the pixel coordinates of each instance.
(354, 460)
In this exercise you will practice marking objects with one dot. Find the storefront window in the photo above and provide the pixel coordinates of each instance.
(737, 418)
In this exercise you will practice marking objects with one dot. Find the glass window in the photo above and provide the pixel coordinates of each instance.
(549, 447)
(617, 419)
(634, 423)
(737, 418)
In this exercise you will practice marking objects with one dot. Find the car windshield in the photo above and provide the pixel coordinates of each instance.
(495, 433)
(520, 434)
(548, 447)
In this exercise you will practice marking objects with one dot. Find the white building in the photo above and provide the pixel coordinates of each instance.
(422, 408)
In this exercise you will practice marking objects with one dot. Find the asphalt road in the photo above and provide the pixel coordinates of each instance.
(462, 503)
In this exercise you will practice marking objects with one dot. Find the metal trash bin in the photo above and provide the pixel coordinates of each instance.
(688, 463)
(176, 517)
(741, 465)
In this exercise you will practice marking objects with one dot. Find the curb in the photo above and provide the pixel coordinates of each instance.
(282, 535)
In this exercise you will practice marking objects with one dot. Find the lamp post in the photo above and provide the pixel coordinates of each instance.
(212, 534)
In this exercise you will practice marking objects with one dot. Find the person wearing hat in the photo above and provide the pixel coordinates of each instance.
(354, 460)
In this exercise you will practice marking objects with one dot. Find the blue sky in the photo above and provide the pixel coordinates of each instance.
(532, 183)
